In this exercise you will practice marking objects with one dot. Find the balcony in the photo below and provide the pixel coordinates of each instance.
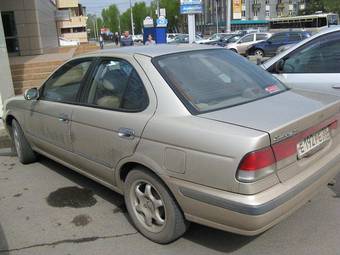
(67, 3)
(80, 36)
(280, 6)
(78, 21)
(256, 6)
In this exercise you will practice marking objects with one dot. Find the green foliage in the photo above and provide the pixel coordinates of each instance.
(110, 18)
(313, 6)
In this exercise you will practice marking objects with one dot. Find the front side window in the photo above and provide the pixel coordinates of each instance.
(65, 84)
(321, 55)
(117, 86)
(247, 38)
(208, 80)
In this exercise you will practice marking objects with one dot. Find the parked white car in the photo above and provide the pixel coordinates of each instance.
(242, 44)
(67, 42)
(313, 64)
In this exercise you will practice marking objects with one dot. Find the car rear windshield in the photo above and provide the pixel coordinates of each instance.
(208, 80)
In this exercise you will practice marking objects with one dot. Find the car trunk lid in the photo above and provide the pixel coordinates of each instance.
(288, 118)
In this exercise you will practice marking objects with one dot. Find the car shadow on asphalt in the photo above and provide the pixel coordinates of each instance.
(217, 240)
(211, 238)
(3, 243)
(99, 190)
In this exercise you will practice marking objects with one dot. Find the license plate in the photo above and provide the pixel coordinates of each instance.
(313, 142)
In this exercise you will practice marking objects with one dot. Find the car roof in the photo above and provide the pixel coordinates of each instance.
(273, 60)
(151, 50)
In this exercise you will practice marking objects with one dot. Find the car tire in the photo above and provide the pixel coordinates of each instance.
(259, 53)
(24, 150)
(152, 208)
(234, 50)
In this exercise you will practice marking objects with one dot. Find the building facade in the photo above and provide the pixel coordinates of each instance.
(251, 9)
(29, 26)
(72, 20)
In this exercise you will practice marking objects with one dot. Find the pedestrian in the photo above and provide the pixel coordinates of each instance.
(101, 41)
(150, 41)
(126, 40)
(116, 38)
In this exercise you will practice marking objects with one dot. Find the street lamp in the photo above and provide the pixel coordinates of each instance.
(216, 12)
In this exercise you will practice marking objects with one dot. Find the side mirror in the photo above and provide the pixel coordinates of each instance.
(31, 94)
(279, 66)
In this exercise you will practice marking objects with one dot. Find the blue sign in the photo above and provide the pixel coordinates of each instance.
(191, 9)
(162, 22)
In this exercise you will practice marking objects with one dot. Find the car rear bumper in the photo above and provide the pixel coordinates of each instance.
(252, 214)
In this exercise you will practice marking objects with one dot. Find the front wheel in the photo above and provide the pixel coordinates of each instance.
(259, 53)
(24, 151)
(152, 208)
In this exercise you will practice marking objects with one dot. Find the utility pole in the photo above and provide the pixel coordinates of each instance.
(132, 23)
(158, 9)
(229, 13)
(216, 12)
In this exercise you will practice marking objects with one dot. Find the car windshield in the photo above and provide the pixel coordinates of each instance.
(207, 80)
(214, 37)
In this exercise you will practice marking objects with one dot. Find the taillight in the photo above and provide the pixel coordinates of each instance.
(256, 165)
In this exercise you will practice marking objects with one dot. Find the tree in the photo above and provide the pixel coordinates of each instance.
(110, 17)
(92, 22)
(140, 11)
(172, 12)
(313, 6)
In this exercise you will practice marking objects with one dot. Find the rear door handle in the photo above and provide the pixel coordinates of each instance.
(64, 118)
(126, 133)
(336, 86)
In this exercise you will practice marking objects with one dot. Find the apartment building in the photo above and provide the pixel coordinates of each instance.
(251, 9)
(72, 20)
(29, 26)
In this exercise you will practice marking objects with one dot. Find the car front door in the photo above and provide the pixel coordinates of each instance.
(274, 43)
(116, 106)
(314, 66)
(49, 118)
(245, 42)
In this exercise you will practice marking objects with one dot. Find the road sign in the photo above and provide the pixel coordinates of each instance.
(191, 7)
(162, 22)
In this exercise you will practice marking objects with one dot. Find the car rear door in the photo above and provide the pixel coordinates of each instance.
(314, 66)
(115, 107)
(48, 122)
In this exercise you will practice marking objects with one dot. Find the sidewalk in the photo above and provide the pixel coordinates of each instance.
(5, 141)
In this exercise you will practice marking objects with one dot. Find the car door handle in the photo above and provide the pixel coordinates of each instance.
(336, 86)
(64, 118)
(126, 133)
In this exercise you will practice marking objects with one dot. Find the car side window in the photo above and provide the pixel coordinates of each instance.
(278, 38)
(260, 37)
(321, 55)
(248, 38)
(65, 83)
(293, 37)
(117, 86)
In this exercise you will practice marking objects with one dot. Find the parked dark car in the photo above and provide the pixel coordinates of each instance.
(228, 39)
(269, 47)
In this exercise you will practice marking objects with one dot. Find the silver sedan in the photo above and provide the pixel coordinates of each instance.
(185, 133)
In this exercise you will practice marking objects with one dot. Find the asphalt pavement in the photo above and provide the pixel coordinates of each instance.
(46, 208)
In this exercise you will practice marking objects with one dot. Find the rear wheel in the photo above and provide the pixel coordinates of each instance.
(259, 53)
(152, 208)
(234, 50)
(24, 151)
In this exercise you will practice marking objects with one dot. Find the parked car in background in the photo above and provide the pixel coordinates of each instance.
(242, 44)
(269, 47)
(284, 48)
(184, 39)
(63, 42)
(191, 133)
(213, 39)
(137, 38)
(313, 64)
(229, 38)
(171, 37)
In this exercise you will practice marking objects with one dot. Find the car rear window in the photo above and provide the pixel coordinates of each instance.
(208, 80)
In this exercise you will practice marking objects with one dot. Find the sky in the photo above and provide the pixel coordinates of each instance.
(96, 6)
